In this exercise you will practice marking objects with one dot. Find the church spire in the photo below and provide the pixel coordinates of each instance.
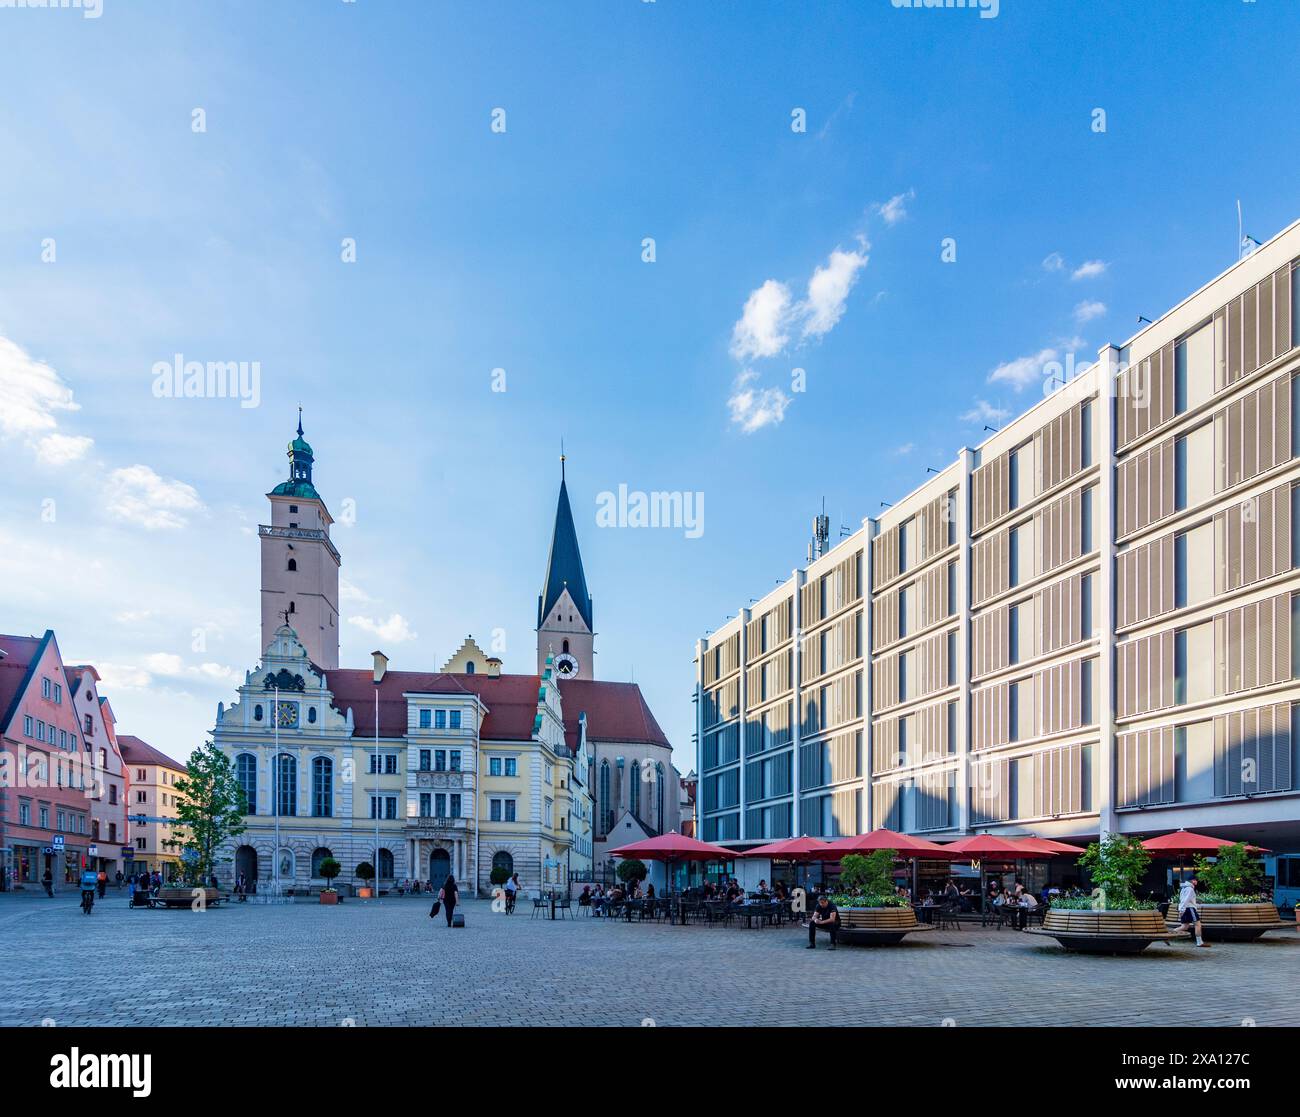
(301, 459)
(564, 564)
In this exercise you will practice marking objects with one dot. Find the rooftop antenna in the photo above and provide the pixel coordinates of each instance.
(561, 459)
(821, 534)
(1246, 244)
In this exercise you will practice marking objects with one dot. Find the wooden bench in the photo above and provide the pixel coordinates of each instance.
(1232, 922)
(1104, 932)
(878, 926)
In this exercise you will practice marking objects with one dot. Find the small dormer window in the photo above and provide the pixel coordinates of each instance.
(469, 668)
(293, 564)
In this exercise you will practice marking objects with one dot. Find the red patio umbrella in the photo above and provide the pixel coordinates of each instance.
(672, 847)
(904, 844)
(1182, 842)
(978, 847)
(794, 849)
(1047, 845)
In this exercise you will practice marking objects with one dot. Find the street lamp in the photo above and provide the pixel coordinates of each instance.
(381, 668)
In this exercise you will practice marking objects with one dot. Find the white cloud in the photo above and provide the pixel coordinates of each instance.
(1053, 261)
(350, 592)
(753, 408)
(162, 665)
(138, 495)
(1088, 310)
(1090, 269)
(1023, 371)
(134, 616)
(60, 449)
(894, 210)
(905, 449)
(122, 676)
(828, 289)
(985, 412)
(761, 331)
(395, 630)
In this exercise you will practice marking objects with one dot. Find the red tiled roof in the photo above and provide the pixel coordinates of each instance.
(615, 712)
(136, 751)
(15, 670)
(511, 700)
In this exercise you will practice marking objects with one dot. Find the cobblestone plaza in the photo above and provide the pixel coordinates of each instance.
(388, 964)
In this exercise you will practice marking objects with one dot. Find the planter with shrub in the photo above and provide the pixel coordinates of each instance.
(871, 912)
(365, 872)
(1112, 920)
(1231, 899)
(329, 869)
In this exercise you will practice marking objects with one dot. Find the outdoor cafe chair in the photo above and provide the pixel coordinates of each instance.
(565, 907)
(539, 905)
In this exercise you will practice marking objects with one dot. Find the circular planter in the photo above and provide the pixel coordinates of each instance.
(878, 926)
(1104, 932)
(183, 897)
(1232, 922)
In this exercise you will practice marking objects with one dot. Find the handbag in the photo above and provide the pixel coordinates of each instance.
(437, 907)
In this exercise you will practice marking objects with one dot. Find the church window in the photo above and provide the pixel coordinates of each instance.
(659, 795)
(257, 712)
(606, 813)
(291, 607)
(311, 715)
(634, 789)
(293, 564)
(566, 647)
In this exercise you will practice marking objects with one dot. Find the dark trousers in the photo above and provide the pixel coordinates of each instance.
(49, 888)
(831, 929)
(447, 909)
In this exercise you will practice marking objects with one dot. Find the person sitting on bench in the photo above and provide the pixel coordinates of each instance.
(824, 916)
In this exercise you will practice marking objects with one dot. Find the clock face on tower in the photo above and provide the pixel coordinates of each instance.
(566, 666)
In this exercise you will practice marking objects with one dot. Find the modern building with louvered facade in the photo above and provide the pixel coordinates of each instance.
(1089, 623)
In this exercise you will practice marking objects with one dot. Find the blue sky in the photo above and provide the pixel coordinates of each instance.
(479, 250)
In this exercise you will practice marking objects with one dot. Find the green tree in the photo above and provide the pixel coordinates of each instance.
(1233, 872)
(210, 808)
(329, 869)
(872, 874)
(500, 874)
(1116, 864)
(366, 871)
(630, 869)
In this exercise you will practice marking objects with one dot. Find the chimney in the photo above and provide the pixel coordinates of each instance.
(381, 666)
(494, 667)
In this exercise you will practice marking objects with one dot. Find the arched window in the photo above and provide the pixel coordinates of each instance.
(503, 860)
(660, 819)
(385, 864)
(291, 607)
(606, 815)
(317, 856)
(566, 647)
(634, 790)
(293, 564)
(469, 668)
(311, 715)
(246, 775)
(286, 785)
(322, 787)
(257, 712)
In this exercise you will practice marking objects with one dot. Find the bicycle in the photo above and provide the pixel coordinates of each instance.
(87, 900)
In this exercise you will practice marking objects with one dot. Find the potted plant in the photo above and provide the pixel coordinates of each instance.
(630, 869)
(366, 872)
(1112, 920)
(1231, 899)
(329, 869)
(871, 912)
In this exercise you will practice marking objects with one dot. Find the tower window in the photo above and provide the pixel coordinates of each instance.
(293, 564)
(293, 509)
(566, 647)
(291, 608)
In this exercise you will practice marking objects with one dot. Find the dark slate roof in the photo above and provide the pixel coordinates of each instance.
(564, 565)
(615, 712)
(136, 751)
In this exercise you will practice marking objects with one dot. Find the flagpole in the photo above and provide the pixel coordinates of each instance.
(275, 794)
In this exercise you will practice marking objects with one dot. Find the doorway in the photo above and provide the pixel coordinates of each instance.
(439, 867)
(246, 863)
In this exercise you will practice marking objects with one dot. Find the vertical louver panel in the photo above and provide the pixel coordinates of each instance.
(1253, 434)
(1059, 692)
(990, 792)
(1144, 488)
(885, 812)
(1144, 581)
(1255, 327)
(1144, 674)
(991, 716)
(884, 745)
(1252, 751)
(1252, 645)
(1058, 531)
(1252, 540)
(990, 567)
(990, 492)
(1144, 773)
(1058, 449)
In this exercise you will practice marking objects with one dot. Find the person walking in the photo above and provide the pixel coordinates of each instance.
(101, 879)
(48, 881)
(118, 878)
(1189, 915)
(447, 896)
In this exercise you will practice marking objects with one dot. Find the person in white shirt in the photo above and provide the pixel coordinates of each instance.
(512, 892)
(1188, 913)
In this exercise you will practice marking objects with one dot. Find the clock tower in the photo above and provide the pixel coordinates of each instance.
(300, 565)
(564, 626)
